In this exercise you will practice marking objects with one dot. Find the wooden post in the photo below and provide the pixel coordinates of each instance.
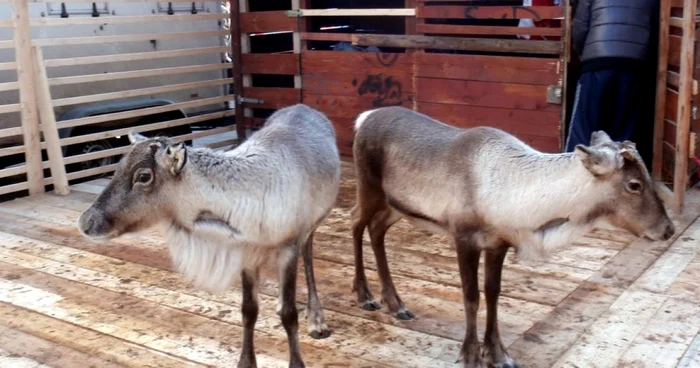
(296, 42)
(48, 124)
(564, 82)
(661, 89)
(27, 96)
(680, 174)
(247, 79)
(235, 29)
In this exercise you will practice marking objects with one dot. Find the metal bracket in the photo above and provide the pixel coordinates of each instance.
(242, 100)
(296, 13)
(554, 94)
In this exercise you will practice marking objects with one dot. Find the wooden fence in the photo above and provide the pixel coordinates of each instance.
(675, 147)
(461, 63)
(205, 85)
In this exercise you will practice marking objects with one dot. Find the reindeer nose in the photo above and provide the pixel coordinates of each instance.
(668, 233)
(90, 223)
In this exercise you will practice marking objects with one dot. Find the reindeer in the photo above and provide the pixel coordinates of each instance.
(230, 213)
(489, 191)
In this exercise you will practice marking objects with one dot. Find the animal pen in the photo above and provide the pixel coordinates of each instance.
(608, 300)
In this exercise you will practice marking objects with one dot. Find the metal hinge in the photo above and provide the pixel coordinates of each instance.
(296, 13)
(242, 100)
(554, 94)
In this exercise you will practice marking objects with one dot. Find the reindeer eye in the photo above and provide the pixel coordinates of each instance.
(634, 186)
(143, 177)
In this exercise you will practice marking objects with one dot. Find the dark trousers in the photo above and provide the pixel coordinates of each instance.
(615, 101)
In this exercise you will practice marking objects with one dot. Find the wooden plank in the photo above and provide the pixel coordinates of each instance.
(490, 12)
(342, 106)
(453, 29)
(66, 101)
(273, 97)
(674, 50)
(664, 340)
(124, 38)
(85, 340)
(529, 122)
(680, 175)
(674, 79)
(145, 73)
(266, 21)
(542, 345)
(127, 19)
(487, 68)
(457, 43)
(201, 316)
(692, 355)
(325, 36)
(48, 124)
(22, 344)
(320, 62)
(270, 64)
(385, 89)
(119, 58)
(143, 112)
(486, 94)
(27, 96)
(393, 12)
(670, 110)
(611, 338)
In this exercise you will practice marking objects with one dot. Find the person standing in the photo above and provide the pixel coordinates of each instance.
(617, 41)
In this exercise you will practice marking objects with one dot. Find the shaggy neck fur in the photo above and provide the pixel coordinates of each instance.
(562, 199)
(219, 224)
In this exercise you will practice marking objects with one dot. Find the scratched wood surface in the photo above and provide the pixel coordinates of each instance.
(608, 300)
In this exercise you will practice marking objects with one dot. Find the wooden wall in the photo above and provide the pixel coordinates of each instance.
(675, 146)
(458, 63)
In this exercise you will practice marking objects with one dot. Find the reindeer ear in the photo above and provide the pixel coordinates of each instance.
(598, 161)
(600, 137)
(175, 158)
(135, 137)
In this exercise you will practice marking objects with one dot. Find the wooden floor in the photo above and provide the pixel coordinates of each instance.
(607, 301)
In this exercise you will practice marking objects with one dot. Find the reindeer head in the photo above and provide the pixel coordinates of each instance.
(630, 200)
(139, 194)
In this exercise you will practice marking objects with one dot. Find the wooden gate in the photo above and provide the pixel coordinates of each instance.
(676, 164)
(466, 63)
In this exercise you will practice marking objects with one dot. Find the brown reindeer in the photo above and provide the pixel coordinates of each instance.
(490, 192)
(227, 214)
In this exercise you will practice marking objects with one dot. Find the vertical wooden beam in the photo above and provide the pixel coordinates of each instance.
(564, 68)
(245, 49)
(27, 96)
(410, 24)
(680, 174)
(296, 42)
(48, 124)
(236, 50)
(662, 71)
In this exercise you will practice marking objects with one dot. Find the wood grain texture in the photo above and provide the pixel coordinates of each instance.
(489, 12)
(266, 21)
(286, 64)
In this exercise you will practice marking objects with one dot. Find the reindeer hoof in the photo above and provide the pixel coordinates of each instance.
(321, 334)
(371, 305)
(404, 314)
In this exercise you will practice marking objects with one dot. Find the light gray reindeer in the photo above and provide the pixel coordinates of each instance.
(489, 191)
(229, 213)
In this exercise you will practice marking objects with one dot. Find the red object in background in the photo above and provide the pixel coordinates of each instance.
(544, 23)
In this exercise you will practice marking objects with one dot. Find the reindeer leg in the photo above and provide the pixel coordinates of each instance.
(494, 352)
(468, 253)
(287, 262)
(314, 311)
(381, 222)
(249, 309)
(360, 219)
